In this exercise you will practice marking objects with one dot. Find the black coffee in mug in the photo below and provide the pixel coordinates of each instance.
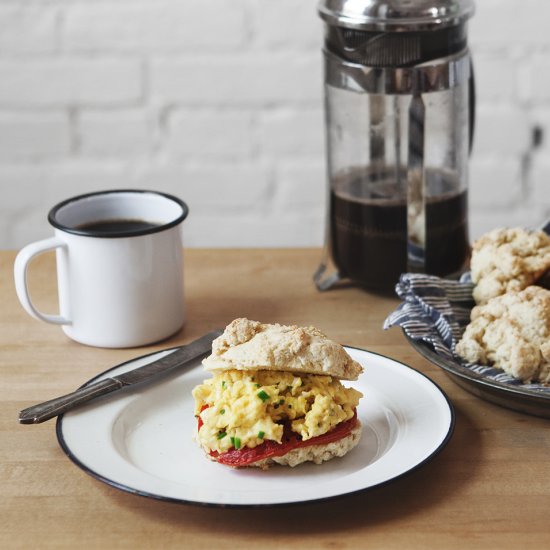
(117, 227)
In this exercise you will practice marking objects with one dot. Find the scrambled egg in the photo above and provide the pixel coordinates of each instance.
(244, 408)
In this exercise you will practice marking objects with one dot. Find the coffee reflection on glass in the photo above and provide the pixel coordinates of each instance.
(368, 227)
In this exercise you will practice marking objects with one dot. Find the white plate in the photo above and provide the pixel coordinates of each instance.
(141, 441)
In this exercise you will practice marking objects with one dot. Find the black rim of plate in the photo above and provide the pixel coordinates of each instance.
(127, 489)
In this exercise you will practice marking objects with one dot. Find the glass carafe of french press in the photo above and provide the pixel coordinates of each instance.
(399, 106)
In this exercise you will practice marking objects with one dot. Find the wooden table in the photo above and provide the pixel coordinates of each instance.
(489, 488)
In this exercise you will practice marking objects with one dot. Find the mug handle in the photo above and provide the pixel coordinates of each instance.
(22, 260)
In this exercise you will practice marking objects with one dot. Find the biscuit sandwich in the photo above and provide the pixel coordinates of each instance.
(275, 397)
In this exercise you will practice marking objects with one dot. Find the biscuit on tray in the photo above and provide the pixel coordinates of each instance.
(511, 332)
(508, 260)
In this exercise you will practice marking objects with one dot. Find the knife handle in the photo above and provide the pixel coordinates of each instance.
(54, 407)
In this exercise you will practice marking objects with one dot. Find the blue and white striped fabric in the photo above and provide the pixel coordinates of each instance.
(437, 311)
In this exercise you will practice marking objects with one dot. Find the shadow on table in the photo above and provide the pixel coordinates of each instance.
(414, 493)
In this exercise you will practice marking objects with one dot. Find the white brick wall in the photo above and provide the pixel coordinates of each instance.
(220, 102)
(28, 136)
(198, 133)
(150, 27)
(117, 133)
(68, 81)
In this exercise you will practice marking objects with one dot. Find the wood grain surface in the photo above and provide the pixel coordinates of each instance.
(489, 488)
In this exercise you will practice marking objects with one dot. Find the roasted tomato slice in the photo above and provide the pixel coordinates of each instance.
(290, 441)
(199, 419)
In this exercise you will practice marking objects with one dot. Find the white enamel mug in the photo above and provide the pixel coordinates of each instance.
(119, 267)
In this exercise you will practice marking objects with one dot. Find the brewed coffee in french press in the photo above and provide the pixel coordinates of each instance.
(399, 108)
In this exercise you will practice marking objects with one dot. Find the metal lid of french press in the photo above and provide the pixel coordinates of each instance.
(395, 33)
(395, 15)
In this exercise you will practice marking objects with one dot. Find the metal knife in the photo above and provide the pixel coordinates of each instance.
(177, 359)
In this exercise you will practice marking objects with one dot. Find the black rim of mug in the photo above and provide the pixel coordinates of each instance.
(134, 233)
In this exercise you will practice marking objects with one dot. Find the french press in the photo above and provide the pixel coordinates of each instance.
(399, 108)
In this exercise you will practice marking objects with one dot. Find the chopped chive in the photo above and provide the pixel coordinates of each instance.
(236, 442)
(257, 385)
(281, 401)
(221, 435)
(222, 411)
(261, 434)
(262, 395)
(223, 384)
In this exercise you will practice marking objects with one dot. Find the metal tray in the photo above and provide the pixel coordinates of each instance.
(514, 397)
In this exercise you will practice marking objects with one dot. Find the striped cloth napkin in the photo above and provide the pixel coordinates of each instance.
(437, 311)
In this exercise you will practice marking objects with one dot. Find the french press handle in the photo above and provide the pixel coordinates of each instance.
(471, 104)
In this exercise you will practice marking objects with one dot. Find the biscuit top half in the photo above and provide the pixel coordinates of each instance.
(251, 345)
(508, 260)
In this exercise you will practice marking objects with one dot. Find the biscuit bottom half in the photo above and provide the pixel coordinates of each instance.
(511, 332)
